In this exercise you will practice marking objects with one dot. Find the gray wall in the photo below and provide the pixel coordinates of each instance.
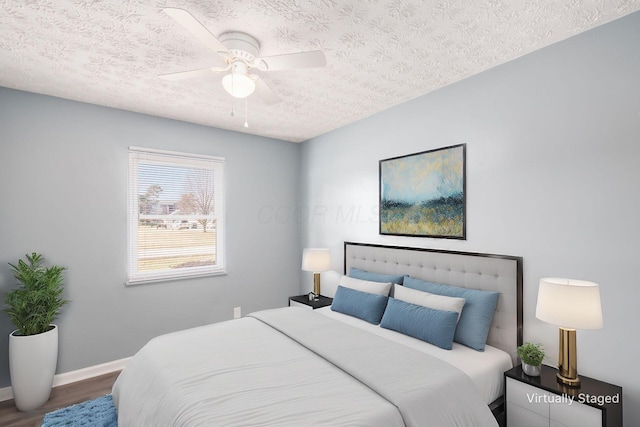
(553, 142)
(63, 192)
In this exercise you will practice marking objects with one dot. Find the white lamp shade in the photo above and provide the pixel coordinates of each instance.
(238, 85)
(316, 259)
(568, 303)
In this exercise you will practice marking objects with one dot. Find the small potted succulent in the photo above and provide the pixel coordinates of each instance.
(531, 355)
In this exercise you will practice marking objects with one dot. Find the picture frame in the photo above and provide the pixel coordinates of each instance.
(424, 194)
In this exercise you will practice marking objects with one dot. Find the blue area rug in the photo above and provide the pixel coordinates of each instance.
(98, 412)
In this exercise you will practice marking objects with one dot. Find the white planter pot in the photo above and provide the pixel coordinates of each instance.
(32, 365)
(531, 370)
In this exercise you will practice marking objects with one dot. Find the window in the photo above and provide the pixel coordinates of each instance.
(176, 215)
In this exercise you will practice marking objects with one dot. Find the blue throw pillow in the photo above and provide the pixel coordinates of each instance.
(363, 305)
(375, 277)
(427, 324)
(477, 313)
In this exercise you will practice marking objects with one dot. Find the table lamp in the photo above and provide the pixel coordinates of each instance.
(316, 260)
(570, 304)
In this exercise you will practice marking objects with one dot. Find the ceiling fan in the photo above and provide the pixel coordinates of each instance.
(239, 52)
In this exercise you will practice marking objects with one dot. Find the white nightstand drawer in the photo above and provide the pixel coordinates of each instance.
(520, 417)
(525, 396)
(299, 304)
(576, 415)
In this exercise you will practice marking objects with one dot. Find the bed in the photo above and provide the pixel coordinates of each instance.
(292, 367)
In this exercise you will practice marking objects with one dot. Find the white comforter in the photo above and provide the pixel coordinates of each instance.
(291, 367)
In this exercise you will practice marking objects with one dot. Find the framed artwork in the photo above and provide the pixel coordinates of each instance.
(423, 194)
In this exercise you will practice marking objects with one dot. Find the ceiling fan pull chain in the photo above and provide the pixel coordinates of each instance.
(246, 123)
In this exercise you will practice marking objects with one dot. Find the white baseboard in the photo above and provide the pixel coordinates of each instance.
(78, 375)
(5, 394)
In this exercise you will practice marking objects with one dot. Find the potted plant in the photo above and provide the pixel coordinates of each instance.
(33, 346)
(531, 355)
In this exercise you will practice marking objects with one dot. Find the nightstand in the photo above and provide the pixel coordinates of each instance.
(543, 401)
(303, 301)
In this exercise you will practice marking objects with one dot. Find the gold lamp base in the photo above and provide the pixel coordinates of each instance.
(571, 382)
(316, 283)
(567, 358)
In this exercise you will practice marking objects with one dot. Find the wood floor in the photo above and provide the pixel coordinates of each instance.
(61, 396)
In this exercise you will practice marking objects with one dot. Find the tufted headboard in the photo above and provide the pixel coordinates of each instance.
(498, 273)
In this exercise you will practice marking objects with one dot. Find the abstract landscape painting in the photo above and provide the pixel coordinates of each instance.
(423, 194)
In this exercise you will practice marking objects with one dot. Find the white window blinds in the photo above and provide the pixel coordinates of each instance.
(176, 215)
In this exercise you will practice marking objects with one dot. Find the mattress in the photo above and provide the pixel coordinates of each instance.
(292, 367)
(484, 368)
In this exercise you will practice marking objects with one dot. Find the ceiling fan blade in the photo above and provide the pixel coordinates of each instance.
(265, 93)
(194, 26)
(183, 75)
(310, 59)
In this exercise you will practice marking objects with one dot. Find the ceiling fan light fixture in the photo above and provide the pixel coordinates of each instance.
(238, 85)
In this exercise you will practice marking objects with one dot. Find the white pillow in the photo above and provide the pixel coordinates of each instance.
(425, 299)
(376, 288)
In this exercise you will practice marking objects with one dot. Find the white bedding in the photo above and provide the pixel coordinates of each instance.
(485, 368)
(291, 367)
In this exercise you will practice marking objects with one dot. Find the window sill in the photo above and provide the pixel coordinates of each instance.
(151, 280)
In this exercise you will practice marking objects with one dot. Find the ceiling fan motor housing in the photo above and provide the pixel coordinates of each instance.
(242, 45)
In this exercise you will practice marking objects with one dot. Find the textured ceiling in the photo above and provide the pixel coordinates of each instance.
(379, 52)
